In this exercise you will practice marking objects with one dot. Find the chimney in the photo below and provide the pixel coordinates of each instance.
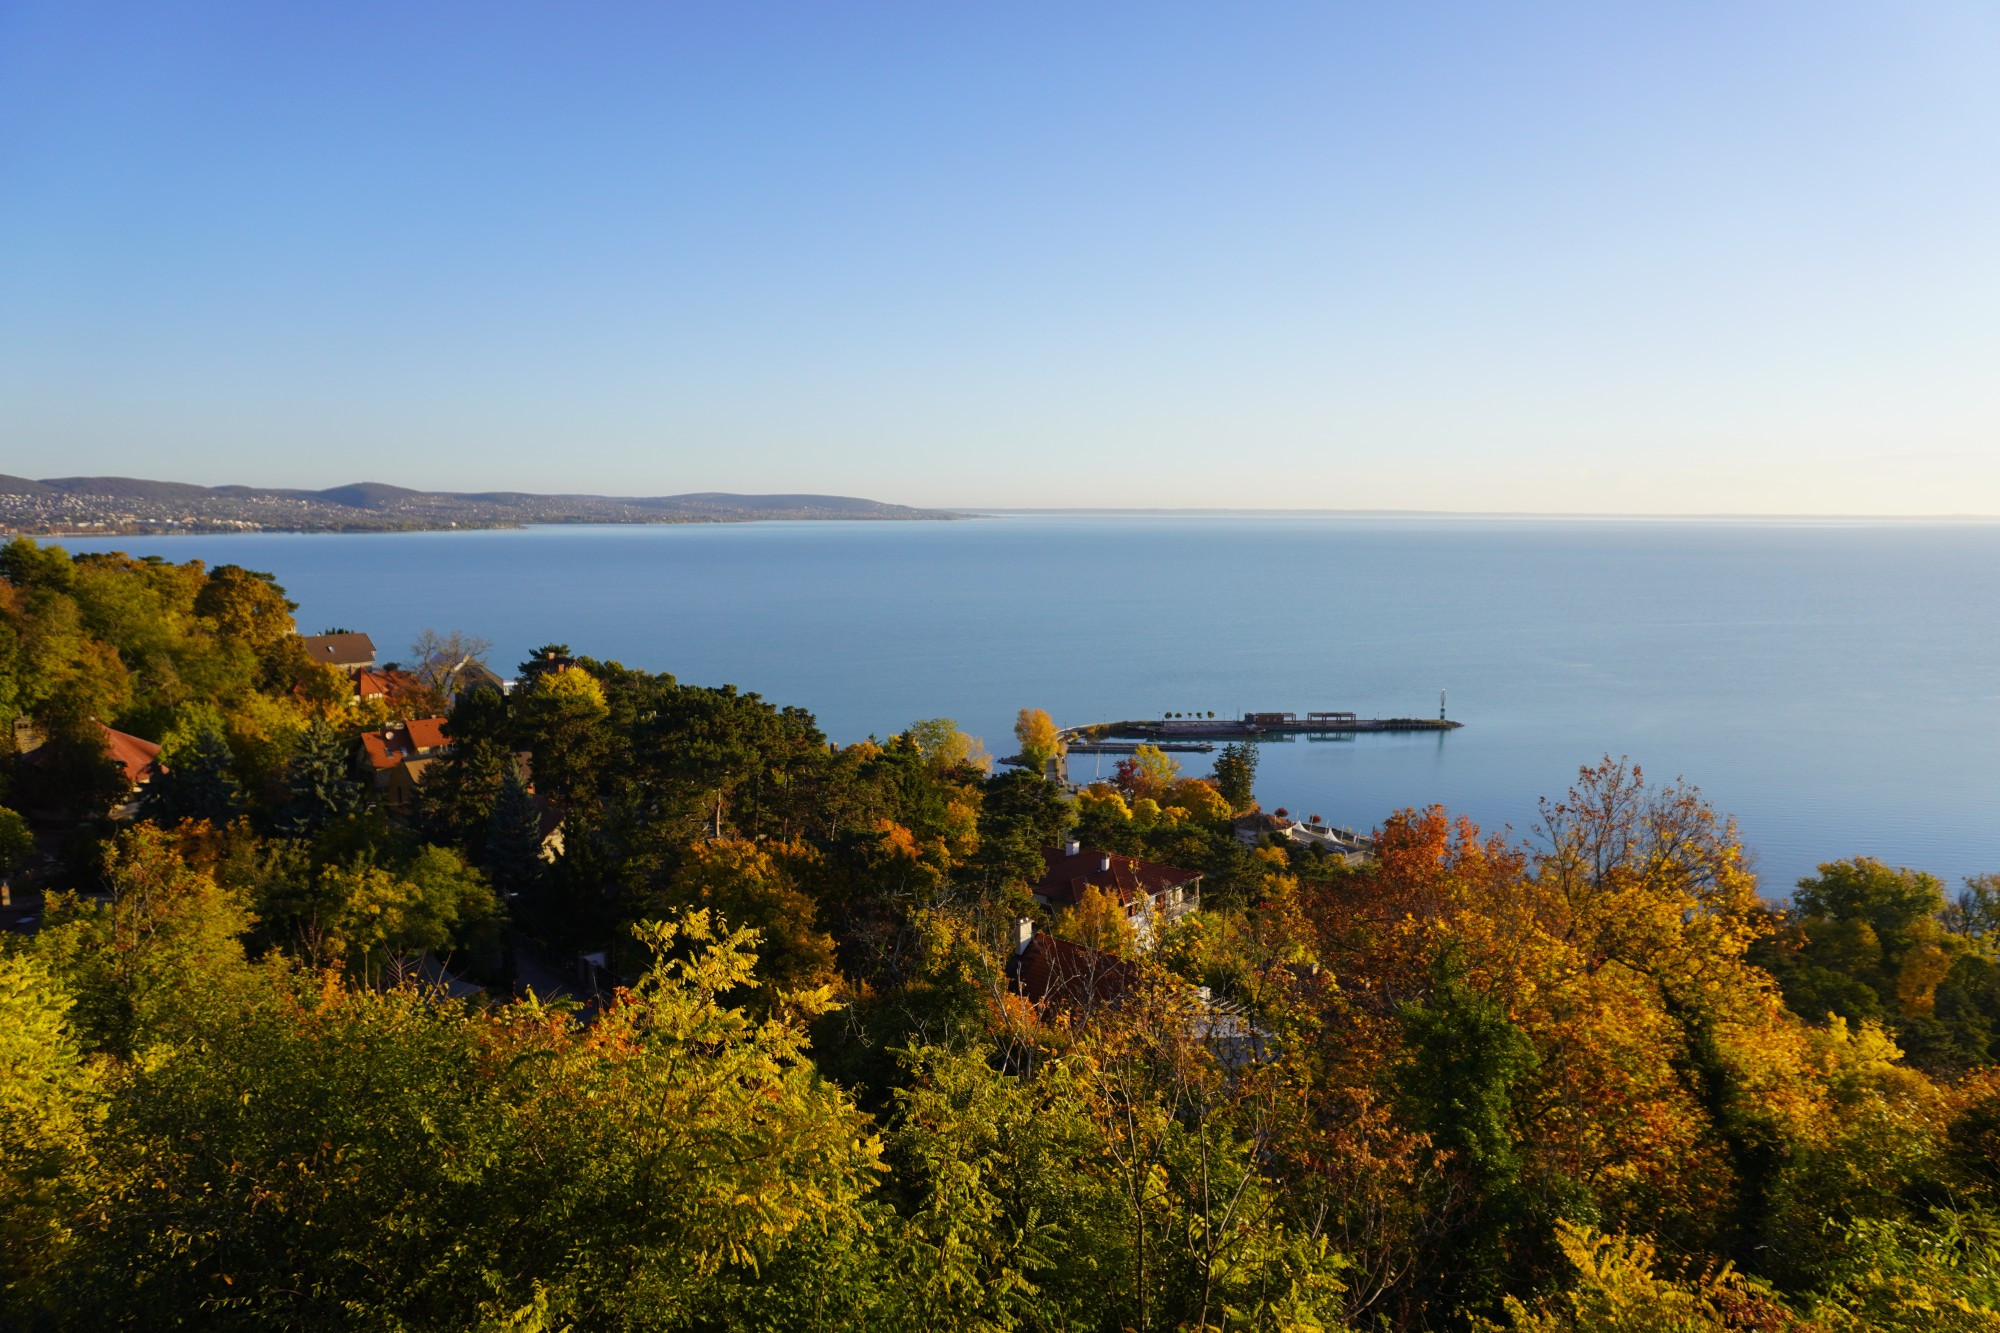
(1024, 934)
(1104, 861)
(1072, 848)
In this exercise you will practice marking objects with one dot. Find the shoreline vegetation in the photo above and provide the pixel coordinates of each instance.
(344, 994)
(127, 506)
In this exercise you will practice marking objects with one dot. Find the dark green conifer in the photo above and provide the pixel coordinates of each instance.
(320, 783)
(1236, 774)
(513, 851)
(199, 785)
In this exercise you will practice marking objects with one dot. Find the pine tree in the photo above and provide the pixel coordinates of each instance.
(1236, 774)
(199, 785)
(513, 851)
(320, 784)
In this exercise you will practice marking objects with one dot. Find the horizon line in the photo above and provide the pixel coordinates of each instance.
(1245, 511)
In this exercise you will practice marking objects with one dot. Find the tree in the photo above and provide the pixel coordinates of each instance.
(748, 886)
(320, 786)
(248, 607)
(1040, 741)
(945, 748)
(1458, 1085)
(1099, 921)
(1147, 773)
(440, 661)
(562, 715)
(49, 1099)
(1236, 774)
(200, 785)
(513, 844)
(1019, 816)
(388, 918)
(1865, 940)
(17, 843)
(333, 1157)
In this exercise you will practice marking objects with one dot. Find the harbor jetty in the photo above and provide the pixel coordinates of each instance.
(1198, 735)
(1173, 732)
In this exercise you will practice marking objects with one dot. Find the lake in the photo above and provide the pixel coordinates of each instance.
(1834, 685)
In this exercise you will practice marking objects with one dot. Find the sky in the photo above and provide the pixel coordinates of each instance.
(1561, 258)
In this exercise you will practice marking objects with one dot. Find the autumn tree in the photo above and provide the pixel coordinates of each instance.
(753, 887)
(1099, 921)
(1147, 774)
(945, 748)
(1039, 739)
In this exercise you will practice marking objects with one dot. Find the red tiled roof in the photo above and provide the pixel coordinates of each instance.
(139, 758)
(373, 684)
(1124, 877)
(1049, 969)
(391, 745)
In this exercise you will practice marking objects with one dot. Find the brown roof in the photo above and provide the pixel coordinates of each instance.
(1049, 969)
(340, 650)
(139, 758)
(1124, 877)
(393, 744)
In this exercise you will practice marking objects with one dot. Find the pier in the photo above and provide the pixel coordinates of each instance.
(1167, 733)
(1132, 747)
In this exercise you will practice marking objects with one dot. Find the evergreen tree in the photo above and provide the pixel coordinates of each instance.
(200, 785)
(1236, 774)
(513, 851)
(320, 784)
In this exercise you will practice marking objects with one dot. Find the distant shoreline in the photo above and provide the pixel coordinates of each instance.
(224, 529)
(134, 507)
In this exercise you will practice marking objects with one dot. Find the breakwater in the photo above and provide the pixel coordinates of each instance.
(1252, 727)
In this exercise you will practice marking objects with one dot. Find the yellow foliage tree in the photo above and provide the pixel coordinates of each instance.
(1040, 741)
(1099, 921)
(1101, 798)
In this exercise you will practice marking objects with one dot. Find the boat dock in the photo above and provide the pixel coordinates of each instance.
(1165, 733)
(1132, 747)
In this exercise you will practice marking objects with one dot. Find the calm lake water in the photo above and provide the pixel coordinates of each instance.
(1836, 686)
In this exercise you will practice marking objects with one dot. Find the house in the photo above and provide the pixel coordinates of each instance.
(137, 761)
(380, 683)
(396, 756)
(1145, 889)
(1351, 847)
(477, 676)
(1061, 974)
(137, 757)
(1051, 971)
(346, 651)
(1249, 828)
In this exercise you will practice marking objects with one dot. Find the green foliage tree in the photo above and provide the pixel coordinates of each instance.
(1458, 1085)
(1236, 774)
(1865, 940)
(17, 843)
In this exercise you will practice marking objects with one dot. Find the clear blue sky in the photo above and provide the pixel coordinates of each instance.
(1558, 257)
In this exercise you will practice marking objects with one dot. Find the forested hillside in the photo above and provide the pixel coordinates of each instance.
(655, 1010)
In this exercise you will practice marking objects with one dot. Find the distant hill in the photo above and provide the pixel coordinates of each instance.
(128, 504)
